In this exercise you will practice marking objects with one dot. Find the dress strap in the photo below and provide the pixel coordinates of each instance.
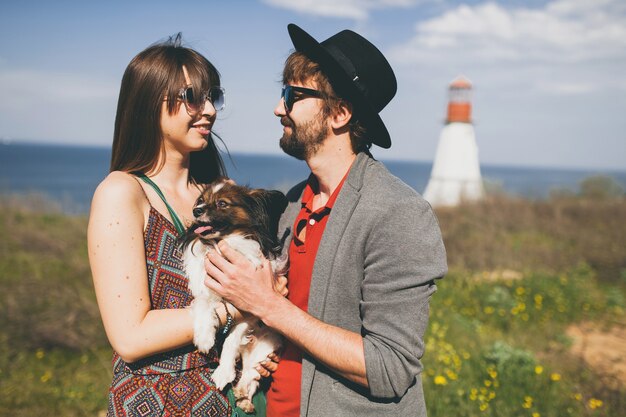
(177, 223)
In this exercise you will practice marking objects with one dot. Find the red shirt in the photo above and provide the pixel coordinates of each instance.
(283, 397)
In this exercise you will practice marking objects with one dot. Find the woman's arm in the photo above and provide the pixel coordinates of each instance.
(118, 265)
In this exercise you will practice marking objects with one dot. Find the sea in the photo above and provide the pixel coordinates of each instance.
(68, 175)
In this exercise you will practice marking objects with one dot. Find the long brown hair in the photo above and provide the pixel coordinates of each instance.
(156, 73)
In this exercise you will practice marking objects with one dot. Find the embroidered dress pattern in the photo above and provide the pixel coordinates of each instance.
(175, 383)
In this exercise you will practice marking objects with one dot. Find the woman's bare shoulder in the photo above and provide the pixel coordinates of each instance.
(119, 188)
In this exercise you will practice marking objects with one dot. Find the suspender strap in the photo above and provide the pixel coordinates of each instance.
(177, 223)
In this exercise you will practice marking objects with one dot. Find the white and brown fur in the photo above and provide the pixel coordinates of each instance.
(247, 219)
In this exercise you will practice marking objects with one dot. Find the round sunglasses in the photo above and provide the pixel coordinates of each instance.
(194, 103)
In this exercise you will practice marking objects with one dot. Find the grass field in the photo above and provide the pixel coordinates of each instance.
(522, 273)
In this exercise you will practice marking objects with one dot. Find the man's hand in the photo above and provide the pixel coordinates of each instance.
(235, 279)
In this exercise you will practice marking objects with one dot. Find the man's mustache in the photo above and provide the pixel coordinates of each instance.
(286, 121)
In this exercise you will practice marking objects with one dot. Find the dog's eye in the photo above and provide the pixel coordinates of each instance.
(221, 204)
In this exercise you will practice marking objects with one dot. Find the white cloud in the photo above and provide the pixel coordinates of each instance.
(566, 47)
(30, 86)
(564, 31)
(351, 9)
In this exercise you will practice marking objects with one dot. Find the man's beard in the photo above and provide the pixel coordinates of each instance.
(305, 140)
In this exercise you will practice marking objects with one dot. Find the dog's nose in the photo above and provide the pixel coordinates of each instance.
(197, 211)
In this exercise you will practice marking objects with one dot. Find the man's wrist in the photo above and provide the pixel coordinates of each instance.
(273, 310)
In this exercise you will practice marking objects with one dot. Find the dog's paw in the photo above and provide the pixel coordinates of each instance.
(204, 342)
(222, 376)
(242, 399)
(246, 405)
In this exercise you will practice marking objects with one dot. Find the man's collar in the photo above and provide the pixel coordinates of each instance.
(312, 188)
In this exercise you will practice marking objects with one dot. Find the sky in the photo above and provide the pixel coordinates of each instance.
(548, 76)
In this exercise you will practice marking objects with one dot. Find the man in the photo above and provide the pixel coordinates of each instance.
(364, 247)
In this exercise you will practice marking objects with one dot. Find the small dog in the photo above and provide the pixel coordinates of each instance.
(248, 220)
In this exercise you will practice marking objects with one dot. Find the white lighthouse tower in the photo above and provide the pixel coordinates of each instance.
(455, 176)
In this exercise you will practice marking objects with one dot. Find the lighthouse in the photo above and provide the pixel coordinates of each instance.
(455, 176)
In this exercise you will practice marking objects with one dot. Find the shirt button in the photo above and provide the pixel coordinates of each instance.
(312, 222)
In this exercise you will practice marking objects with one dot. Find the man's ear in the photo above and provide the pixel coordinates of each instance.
(342, 115)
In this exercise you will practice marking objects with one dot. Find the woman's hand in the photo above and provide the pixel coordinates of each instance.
(268, 366)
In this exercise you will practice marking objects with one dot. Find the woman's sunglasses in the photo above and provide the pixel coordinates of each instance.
(195, 103)
(291, 94)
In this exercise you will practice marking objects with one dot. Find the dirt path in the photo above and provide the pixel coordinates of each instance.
(604, 350)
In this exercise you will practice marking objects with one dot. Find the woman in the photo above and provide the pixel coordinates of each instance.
(163, 151)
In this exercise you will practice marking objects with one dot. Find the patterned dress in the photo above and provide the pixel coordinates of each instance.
(175, 383)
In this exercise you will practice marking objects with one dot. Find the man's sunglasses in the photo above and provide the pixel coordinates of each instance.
(194, 103)
(291, 94)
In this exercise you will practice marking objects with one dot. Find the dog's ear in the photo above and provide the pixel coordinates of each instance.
(277, 203)
(274, 203)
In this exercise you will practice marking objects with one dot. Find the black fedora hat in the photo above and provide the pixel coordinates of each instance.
(358, 72)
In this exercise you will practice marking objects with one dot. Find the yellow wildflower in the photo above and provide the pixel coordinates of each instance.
(441, 380)
(528, 402)
(555, 377)
(457, 361)
(538, 369)
(473, 394)
(40, 353)
(46, 377)
(595, 403)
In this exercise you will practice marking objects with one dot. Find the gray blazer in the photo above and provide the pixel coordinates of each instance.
(374, 275)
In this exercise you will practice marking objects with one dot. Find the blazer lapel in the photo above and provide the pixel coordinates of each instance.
(322, 270)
